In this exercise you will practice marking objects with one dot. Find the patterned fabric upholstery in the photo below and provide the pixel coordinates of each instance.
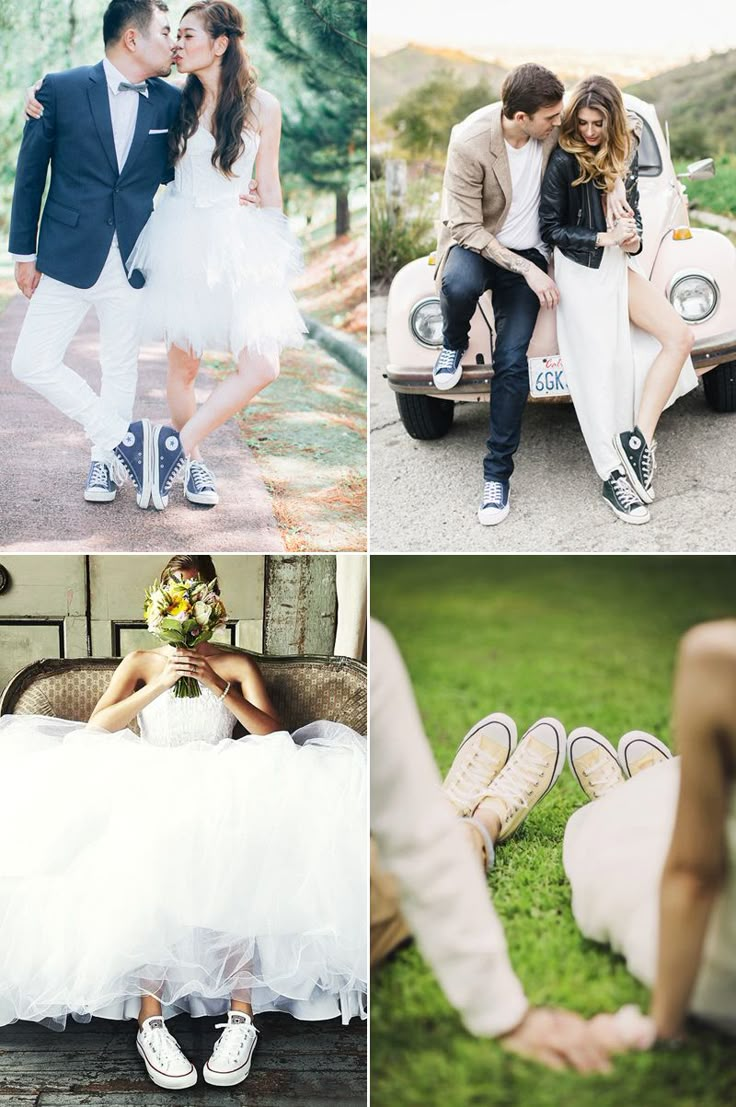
(302, 689)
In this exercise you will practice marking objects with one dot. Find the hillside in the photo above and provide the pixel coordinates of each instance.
(697, 99)
(395, 74)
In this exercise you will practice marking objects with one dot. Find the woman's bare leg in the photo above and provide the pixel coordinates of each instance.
(241, 1005)
(150, 1007)
(649, 310)
(182, 374)
(254, 372)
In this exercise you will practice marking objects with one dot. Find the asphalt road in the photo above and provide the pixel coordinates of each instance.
(424, 495)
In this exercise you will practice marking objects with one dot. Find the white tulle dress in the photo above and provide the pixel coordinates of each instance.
(217, 272)
(614, 852)
(181, 863)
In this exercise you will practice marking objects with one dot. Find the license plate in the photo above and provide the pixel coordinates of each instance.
(547, 376)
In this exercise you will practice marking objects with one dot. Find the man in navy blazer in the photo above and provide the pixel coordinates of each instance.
(104, 131)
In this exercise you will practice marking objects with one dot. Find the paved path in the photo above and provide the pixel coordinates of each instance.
(424, 495)
(96, 1065)
(44, 458)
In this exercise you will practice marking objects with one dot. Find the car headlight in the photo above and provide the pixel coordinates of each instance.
(694, 295)
(426, 322)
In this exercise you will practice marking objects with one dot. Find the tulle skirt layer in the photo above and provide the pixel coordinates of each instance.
(195, 873)
(217, 277)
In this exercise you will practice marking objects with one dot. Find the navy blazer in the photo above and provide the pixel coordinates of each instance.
(88, 199)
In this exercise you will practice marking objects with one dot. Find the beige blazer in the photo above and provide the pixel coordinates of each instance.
(476, 191)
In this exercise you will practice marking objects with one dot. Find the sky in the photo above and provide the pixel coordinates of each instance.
(486, 27)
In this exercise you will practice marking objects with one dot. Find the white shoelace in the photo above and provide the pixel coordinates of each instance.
(163, 1045)
(516, 783)
(493, 493)
(446, 361)
(648, 463)
(202, 476)
(99, 474)
(472, 779)
(604, 774)
(624, 492)
(235, 1036)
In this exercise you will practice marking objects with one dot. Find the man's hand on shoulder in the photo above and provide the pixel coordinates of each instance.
(27, 277)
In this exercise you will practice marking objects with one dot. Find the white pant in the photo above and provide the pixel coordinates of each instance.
(54, 315)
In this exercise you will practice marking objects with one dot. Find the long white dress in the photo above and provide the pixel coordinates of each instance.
(181, 863)
(606, 357)
(613, 854)
(217, 272)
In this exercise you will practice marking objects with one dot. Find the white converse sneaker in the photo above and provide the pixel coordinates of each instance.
(231, 1057)
(638, 750)
(530, 773)
(481, 755)
(165, 1063)
(593, 762)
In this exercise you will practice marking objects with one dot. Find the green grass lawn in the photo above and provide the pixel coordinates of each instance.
(590, 640)
(719, 193)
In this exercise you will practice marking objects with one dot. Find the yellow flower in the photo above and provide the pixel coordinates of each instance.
(180, 607)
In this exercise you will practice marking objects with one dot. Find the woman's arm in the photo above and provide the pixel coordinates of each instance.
(268, 113)
(705, 724)
(121, 702)
(245, 692)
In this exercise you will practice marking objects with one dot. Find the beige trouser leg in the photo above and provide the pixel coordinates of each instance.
(389, 928)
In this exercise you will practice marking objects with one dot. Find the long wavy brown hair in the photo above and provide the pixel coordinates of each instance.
(238, 81)
(605, 163)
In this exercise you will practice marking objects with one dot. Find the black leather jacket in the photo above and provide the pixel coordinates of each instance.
(570, 216)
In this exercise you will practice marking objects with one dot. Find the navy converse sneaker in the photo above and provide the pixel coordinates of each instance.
(100, 487)
(638, 460)
(623, 500)
(448, 368)
(495, 504)
(199, 483)
(167, 463)
(134, 454)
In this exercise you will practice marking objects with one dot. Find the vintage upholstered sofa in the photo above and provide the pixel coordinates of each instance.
(302, 688)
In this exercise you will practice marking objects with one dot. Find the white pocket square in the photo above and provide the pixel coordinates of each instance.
(163, 131)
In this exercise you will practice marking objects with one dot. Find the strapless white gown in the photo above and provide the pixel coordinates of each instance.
(614, 852)
(217, 272)
(181, 863)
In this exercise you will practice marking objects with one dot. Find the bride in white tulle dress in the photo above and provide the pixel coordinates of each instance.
(180, 870)
(217, 270)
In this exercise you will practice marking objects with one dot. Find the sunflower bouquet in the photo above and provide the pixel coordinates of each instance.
(184, 613)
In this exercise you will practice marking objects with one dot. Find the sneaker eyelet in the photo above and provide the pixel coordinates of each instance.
(129, 439)
(171, 442)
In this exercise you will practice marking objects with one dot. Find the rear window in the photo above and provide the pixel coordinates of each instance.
(650, 162)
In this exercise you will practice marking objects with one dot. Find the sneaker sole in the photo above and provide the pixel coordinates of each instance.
(99, 497)
(627, 518)
(639, 736)
(225, 1079)
(171, 1083)
(208, 498)
(143, 498)
(647, 495)
(445, 387)
(498, 517)
(593, 736)
(160, 501)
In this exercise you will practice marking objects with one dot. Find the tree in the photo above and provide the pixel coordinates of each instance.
(322, 46)
(424, 117)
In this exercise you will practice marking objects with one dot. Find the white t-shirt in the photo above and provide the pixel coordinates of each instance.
(520, 230)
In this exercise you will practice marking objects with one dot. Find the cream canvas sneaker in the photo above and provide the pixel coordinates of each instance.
(481, 755)
(638, 750)
(530, 773)
(593, 762)
(165, 1063)
(233, 1052)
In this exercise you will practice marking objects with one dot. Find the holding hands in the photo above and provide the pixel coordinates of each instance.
(562, 1039)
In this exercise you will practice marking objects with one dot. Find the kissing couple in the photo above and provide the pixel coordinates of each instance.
(208, 269)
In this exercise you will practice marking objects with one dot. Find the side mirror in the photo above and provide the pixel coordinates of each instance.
(700, 170)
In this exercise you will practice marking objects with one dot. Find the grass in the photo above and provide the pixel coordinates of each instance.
(588, 639)
(719, 193)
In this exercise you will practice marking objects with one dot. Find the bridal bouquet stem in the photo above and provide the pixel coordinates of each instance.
(184, 613)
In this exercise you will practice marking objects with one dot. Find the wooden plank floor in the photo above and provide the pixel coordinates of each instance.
(96, 1065)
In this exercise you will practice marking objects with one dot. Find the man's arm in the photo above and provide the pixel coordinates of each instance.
(30, 177)
(463, 216)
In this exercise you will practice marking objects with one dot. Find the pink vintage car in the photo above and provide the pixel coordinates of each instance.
(694, 268)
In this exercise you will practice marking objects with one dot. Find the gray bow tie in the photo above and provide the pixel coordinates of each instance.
(126, 86)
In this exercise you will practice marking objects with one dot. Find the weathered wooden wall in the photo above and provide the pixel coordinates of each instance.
(301, 610)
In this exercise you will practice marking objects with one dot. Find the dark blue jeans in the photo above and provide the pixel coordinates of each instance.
(465, 278)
